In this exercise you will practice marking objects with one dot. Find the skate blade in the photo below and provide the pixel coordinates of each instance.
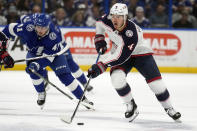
(178, 121)
(136, 113)
(41, 107)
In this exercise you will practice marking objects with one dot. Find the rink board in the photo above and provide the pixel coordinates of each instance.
(174, 50)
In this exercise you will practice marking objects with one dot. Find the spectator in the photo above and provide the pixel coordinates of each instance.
(140, 19)
(191, 18)
(148, 8)
(90, 3)
(83, 9)
(12, 15)
(155, 3)
(186, 3)
(2, 8)
(194, 11)
(91, 20)
(3, 20)
(131, 8)
(78, 19)
(53, 5)
(183, 22)
(60, 18)
(69, 7)
(23, 7)
(178, 14)
(159, 19)
(36, 9)
(132, 4)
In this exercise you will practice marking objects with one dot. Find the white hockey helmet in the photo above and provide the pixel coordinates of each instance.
(119, 9)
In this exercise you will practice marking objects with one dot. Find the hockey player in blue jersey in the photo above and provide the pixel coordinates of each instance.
(43, 38)
(75, 69)
(128, 50)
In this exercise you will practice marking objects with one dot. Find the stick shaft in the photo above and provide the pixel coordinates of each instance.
(73, 115)
(40, 57)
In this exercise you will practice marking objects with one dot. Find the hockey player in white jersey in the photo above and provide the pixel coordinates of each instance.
(128, 50)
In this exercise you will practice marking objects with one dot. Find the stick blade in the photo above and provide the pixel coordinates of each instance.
(66, 119)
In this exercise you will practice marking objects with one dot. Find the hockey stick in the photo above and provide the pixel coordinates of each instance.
(43, 56)
(69, 120)
(70, 97)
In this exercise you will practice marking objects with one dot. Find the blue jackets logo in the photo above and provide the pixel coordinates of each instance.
(129, 33)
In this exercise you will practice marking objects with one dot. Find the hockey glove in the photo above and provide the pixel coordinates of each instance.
(3, 37)
(32, 66)
(7, 59)
(100, 43)
(96, 70)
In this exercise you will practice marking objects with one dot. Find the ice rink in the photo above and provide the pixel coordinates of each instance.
(19, 111)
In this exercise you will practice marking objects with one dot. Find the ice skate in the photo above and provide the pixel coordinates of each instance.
(41, 99)
(89, 88)
(131, 112)
(173, 114)
(85, 100)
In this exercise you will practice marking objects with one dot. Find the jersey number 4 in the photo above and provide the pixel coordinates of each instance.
(131, 46)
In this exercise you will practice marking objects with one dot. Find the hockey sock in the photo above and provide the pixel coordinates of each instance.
(161, 92)
(79, 75)
(78, 92)
(39, 85)
(71, 83)
(125, 93)
(38, 82)
(82, 79)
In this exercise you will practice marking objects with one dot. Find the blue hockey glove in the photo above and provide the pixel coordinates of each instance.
(100, 43)
(96, 70)
(32, 66)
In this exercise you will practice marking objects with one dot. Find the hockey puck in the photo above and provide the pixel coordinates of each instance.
(80, 123)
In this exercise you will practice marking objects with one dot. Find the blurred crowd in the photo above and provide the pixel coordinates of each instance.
(80, 13)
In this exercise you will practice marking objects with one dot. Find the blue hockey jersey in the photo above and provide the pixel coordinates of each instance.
(51, 43)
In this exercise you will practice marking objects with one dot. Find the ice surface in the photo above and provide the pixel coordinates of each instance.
(19, 111)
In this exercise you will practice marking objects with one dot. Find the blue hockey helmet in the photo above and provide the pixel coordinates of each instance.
(42, 20)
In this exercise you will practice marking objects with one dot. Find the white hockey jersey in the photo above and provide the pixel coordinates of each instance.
(126, 43)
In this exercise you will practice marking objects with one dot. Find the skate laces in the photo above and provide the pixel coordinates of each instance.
(89, 86)
(171, 111)
(86, 100)
(129, 106)
(41, 96)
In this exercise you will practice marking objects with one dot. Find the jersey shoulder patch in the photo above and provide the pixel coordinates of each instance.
(52, 36)
(29, 27)
(129, 33)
